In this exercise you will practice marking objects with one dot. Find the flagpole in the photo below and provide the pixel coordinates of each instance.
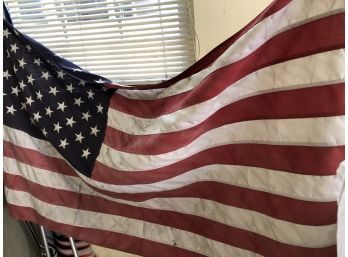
(73, 247)
(42, 230)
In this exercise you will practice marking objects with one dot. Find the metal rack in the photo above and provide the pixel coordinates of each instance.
(43, 244)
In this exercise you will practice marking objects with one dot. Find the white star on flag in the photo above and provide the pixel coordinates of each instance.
(48, 111)
(57, 127)
(45, 75)
(28, 47)
(90, 94)
(44, 132)
(69, 88)
(61, 106)
(86, 116)
(37, 116)
(82, 82)
(30, 79)
(15, 90)
(39, 95)
(22, 85)
(6, 74)
(94, 130)
(100, 81)
(63, 143)
(29, 100)
(14, 48)
(53, 90)
(70, 122)
(23, 106)
(78, 101)
(22, 63)
(79, 137)
(6, 33)
(85, 153)
(100, 108)
(37, 61)
(10, 109)
(60, 74)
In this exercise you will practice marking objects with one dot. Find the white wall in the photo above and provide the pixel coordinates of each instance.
(215, 21)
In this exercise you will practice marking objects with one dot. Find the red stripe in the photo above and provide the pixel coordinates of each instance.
(245, 198)
(209, 58)
(118, 241)
(314, 37)
(306, 160)
(298, 103)
(296, 159)
(207, 228)
(36, 159)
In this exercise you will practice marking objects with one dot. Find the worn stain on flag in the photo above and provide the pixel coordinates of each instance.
(236, 156)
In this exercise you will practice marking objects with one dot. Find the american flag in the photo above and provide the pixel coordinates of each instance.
(236, 156)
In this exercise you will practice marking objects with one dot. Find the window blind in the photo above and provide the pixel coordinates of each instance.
(129, 42)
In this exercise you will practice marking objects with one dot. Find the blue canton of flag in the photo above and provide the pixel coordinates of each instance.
(53, 99)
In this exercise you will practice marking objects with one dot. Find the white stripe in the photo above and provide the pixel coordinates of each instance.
(279, 230)
(314, 131)
(23, 139)
(323, 131)
(320, 69)
(294, 13)
(341, 212)
(308, 188)
(133, 227)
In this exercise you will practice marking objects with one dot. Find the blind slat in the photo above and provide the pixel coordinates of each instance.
(114, 18)
(54, 28)
(134, 38)
(138, 55)
(118, 10)
(92, 16)
(151, 39)
(110, 40)
(29, 3)
(68, 49)
(109, 65)
(140, 61)
(154, 60)
(38, 5)
(125, 41)
(141, 76)
(132, 70)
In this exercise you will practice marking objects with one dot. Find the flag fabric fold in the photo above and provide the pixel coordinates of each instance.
(236, 156)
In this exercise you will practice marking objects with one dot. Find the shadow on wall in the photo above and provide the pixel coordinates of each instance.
(17, 241)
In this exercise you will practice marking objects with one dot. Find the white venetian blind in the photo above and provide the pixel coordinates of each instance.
(129, 42)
